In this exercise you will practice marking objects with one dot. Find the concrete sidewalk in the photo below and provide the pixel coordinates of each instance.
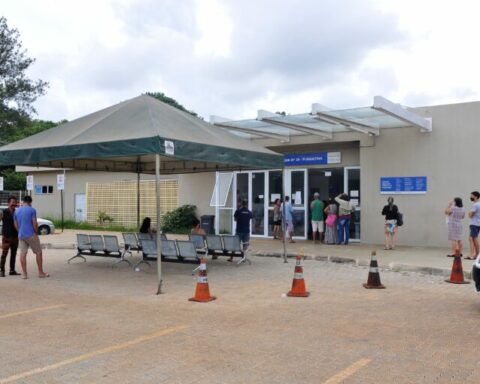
(428, 260)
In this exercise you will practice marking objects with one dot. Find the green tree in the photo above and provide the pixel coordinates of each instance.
(171, 101)
(13, 181)
(17, 91)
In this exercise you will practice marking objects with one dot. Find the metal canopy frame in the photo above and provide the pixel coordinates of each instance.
(326, 122)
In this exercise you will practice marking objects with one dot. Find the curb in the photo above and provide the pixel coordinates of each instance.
(393, 266)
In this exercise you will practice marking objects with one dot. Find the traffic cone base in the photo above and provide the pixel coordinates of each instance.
(373, 281)
(456, 277)
(293, 294)
(381, 286)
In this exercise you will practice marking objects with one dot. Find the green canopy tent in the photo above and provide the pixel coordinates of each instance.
(141, 135)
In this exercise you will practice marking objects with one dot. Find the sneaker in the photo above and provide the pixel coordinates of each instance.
(14, 273)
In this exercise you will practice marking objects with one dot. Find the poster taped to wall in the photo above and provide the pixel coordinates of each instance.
(297, 199)
(274, 196)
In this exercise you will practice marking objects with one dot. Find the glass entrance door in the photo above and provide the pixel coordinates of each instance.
(296, 187)
(352, 189)
(261, 188)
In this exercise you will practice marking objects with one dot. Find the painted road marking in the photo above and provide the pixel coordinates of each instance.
(31, 311)
(347, 372)
(89, 355)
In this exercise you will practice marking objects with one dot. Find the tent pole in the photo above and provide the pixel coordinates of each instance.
(159, 238)
(284, 237)
(138, 197)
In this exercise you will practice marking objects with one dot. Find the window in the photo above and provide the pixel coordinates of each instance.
(43, 189)
(221, 189)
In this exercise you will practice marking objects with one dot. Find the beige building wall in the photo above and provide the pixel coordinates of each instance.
(196, 189)
(75, 183)
(447, 156)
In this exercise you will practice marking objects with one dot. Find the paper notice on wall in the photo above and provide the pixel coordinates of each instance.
(353, 193)
(1, 183)
(169, 147)
(61, 182)
(354, 202)
(274, 196)
(297, 199)
(328, 173)
(29, 183)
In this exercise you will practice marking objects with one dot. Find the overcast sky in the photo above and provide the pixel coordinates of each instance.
(231, 58)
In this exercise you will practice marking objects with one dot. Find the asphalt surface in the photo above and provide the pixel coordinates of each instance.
(91, 323)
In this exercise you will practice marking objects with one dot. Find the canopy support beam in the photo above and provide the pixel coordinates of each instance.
(158, 234)
(396, 110)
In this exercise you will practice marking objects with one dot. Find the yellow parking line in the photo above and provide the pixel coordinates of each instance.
(31, 311)
(89, 355)
(347, 372)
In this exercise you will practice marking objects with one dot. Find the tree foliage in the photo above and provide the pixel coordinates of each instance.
(17, 91)
(170, 101)
(179, 220)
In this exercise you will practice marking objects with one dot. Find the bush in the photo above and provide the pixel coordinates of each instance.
(179, 220)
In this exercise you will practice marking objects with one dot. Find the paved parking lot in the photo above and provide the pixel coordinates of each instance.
(89, 323)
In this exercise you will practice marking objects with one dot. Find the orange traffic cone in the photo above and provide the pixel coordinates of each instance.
(202, 292)
(456, 277)
(373, 281)
(298, 284)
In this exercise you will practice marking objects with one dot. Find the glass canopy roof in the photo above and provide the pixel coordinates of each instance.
(325, 122)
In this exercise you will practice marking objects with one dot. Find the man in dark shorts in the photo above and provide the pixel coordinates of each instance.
(243, 216)
(9, 237)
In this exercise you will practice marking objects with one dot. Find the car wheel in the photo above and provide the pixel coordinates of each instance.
(43, 230)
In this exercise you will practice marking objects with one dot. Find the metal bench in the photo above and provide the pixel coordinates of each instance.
(112, 249)
(131, 243)
(199, 242)
(233, 248)
(100, 246)
(149, 252)
(83, 247)
(215, 245)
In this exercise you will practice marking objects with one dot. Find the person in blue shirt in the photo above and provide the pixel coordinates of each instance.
(25, 219)
(242, 217)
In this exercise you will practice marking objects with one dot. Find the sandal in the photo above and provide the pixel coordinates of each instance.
(469, 258)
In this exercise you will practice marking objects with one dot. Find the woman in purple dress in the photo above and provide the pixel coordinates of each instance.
(456, 213)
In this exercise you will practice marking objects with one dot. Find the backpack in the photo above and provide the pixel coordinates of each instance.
(400, 219)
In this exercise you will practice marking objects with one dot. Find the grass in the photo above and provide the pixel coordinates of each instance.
(83, 225)
(72, 224)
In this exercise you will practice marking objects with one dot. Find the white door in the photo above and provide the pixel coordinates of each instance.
(352, 189)
(296, 181)
(80, 207)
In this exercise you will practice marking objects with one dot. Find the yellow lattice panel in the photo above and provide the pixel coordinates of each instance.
(119, 200)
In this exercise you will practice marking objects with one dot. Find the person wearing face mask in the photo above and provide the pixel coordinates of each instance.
(474, 216)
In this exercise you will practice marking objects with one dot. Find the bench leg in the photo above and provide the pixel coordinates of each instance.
(74, 257)
(140, 263)
(122, 260)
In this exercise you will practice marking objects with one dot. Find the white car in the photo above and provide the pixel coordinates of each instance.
(45, 227)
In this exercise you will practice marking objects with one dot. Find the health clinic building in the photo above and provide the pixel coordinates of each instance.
(423, 157)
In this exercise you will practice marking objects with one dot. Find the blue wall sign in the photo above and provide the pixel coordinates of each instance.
(312, 158)
(403, 185)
